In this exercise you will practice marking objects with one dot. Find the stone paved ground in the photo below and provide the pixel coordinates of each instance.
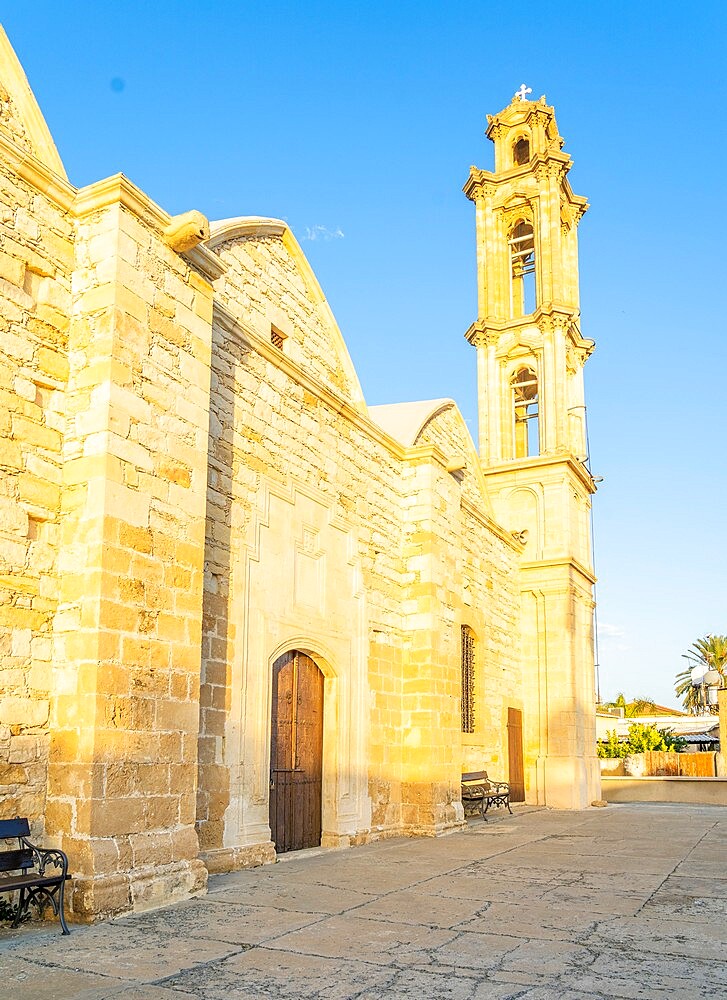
(628, 902)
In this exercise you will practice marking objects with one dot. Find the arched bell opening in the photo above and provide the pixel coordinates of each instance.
(521, 152)
(526, 415)
(523, 298)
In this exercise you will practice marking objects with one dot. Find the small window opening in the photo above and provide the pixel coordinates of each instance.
(522, 258)
(521, 152)
(468, 680)
(277, 337)
(527, 423)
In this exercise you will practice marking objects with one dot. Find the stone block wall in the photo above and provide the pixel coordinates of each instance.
(36, 261)
(278, 425)
(487, 600)
(128, 629)
(271, 285)
(276, 420)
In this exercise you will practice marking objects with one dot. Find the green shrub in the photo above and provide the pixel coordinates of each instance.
(642, 737)
(611, 747)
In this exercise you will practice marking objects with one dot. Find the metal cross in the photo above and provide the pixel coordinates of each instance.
(523, 91)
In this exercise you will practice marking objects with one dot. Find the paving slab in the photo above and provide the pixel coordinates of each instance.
(262, 974)
(628, 902)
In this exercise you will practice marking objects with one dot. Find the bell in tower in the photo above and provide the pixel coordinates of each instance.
(532, 431)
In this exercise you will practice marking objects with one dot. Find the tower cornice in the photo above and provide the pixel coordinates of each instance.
(523, 112)
(487, 183)
(547, 318)
(533, 468)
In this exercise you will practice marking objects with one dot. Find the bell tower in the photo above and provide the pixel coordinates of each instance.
(532, 432)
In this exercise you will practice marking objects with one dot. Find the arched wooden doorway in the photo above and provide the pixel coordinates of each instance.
(296, 753)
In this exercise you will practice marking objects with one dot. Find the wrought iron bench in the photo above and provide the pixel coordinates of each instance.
(480, 792)
(28, 867)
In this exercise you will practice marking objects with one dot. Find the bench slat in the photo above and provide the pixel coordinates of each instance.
(10, 861)
(14, 828)
(12, 882)
(475, 776)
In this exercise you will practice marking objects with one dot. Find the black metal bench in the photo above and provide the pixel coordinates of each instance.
(480, 792)
(28, 867)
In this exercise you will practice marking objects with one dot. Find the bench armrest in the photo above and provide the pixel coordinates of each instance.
(47, 857)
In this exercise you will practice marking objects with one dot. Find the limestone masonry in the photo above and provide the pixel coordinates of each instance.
(239, 609)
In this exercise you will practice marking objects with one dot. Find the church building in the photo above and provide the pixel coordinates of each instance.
(242, 612)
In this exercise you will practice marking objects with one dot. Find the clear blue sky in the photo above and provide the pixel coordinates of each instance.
(358, 122)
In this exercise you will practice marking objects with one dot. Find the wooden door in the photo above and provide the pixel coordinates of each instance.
(296, 753)
(516, 775)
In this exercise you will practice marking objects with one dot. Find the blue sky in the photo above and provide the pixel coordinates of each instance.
(358, 123)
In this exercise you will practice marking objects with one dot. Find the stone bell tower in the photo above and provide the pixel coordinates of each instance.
(532, 433)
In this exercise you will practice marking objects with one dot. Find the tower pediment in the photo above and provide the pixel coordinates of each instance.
(516, 200)
(21, 120)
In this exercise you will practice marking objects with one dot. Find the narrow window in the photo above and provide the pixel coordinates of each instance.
(468, 680)
(522, 258)
(527, 431)
(521, 152)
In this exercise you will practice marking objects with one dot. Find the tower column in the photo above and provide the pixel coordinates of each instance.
(541, 488)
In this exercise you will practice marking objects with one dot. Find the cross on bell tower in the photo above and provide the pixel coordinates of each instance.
(532, 430)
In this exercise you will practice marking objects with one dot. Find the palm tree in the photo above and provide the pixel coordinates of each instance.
(709, 653)
(631, 709)
(692, 697)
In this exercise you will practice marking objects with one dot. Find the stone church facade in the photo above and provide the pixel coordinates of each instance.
(239, 609)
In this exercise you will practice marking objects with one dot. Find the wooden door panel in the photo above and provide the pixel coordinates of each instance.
(296, 753)
(516, 775)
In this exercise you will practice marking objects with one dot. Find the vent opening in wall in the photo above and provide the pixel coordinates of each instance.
(277, 337)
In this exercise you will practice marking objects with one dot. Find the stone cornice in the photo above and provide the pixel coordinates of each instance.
(546, 318)
(561, 161)
(118, 189)
(419, 453)
(30, 169)
(207, 263)
(518, 111)
(568, 562)
(247, 336)
(574, 466)
(480, 183)
(483, 332)
(486, 521)
(486, 183)
(244, 226)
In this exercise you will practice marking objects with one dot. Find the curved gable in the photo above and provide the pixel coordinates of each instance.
(437, 422)
(405, 421)
(445, 427)
(20, 117)
(270, 286)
